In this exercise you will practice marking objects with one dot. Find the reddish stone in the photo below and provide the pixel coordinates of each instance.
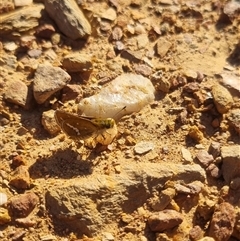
(45, 31)
(20, 178)
(22, 205)
(165, 219)
(222, 222)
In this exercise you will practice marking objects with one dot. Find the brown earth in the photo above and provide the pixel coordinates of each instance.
(204, 44)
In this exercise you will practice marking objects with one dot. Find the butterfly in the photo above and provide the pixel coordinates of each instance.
(102, 130)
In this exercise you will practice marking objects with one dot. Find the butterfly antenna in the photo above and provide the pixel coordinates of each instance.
(115, 116)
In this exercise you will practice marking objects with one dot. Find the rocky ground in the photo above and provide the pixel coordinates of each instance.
(173, 170)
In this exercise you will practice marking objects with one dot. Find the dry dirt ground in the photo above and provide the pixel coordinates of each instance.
(203, 40)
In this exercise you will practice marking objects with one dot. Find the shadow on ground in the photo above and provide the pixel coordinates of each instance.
(63, 164)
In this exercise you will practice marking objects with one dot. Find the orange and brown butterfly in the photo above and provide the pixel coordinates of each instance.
(101, 130)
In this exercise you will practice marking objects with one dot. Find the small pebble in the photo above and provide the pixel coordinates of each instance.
(143, 147)
(186, 154)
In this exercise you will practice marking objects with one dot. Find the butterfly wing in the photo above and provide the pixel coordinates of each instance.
(75, 126)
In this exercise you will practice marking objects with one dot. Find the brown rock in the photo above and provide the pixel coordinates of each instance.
(165, 219)
(25, 222)
(161, 202)
(27, 41)
(235, 183)
(45, 31)
(222, 99)
(21, 20)
(22, 205)
(204, 158)
(6, 6)
(143, 69)
(222, 222)
(18, 235)
(77, 62)
(214, 149)
(4, 216)
(49, 123)
(47, 81)
(234, 119)
(196, 233)
(71, 92)
(214, 170)
(195, 134)
(163, 47)
(18, 93)
(117, 33)
(18, 161)
(191, 87)
(190, 74)
(20, 178)
(231, 162)
(189, 189)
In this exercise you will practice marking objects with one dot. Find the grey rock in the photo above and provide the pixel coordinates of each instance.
(21, 20)
(143, 147)
(47, 81)
(231, 162)
(92, 202)
(69, 18)
(77, 62)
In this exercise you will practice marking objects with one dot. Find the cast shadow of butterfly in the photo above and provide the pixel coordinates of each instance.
(63, 164)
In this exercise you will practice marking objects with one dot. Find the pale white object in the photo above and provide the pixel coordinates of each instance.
(21, 3)
(3, 198)
(128, 90)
